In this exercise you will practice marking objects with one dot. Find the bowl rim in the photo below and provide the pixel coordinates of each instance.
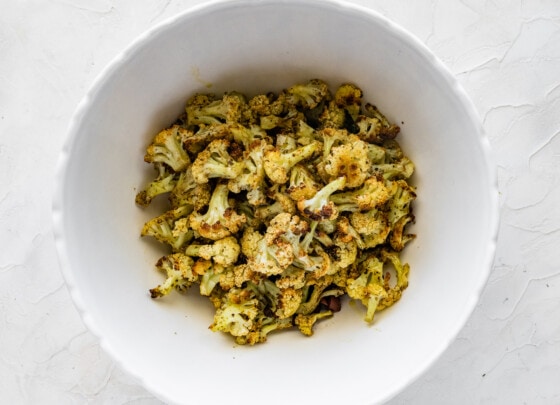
(58, 203)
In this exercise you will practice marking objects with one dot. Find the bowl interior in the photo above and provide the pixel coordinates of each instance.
(253, 47)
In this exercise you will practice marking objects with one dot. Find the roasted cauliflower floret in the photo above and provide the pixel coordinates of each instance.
(251, 178)
(373, 193)
(223, 251)
(216, 162)
(195, 142)
(343, 109)
(241, 314)
(401, 169)
(263, 257)
(332, 137)
(320, 207)
(229, 109)
(308, 95)
(302, 184)
(333, 117)
(344, 252)
(277, 165)
(372, 225)
(236, 318)
(315, 290)
(319, 263)
(368, 287)
(348, 96)
(305, 133)
(243, 274)
(164, 183)
(282, 203)
(220, 220)
(171, 228)
(268, 104)
(346, 233)
(292, 277)
(305, 323)
(374, 127)
(167, 148)
(349, 160)
(289, 300)
(188, 192)
(292, 234)
(376, 153)
(179, 274)
(373, 286)
(246, 136)
(400, 214)
(401, 270)
(402, 196)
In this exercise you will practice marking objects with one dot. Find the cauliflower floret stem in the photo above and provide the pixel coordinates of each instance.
(319, 207)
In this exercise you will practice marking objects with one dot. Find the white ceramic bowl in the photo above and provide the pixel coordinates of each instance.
(253, 46)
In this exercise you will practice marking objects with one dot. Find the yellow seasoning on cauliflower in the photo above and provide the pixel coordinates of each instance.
(280, 205)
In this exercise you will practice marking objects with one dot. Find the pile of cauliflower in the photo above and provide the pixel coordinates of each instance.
(281, 204)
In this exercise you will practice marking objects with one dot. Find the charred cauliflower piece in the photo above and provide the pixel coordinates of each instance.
(373, 193)
(167, 148)
(251, 178)
(349, 160)
(224, 251)
(265, 257)
(216, 162)
(164, 183)
(302, 184)
(277, 165)
(308, 95)
(220, 220)
(179, 274)
(171, 227)
(188, 192)
(320, 207)
(305, 323)
(203, 111)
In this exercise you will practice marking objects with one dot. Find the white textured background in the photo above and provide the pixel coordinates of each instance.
(505, 53)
